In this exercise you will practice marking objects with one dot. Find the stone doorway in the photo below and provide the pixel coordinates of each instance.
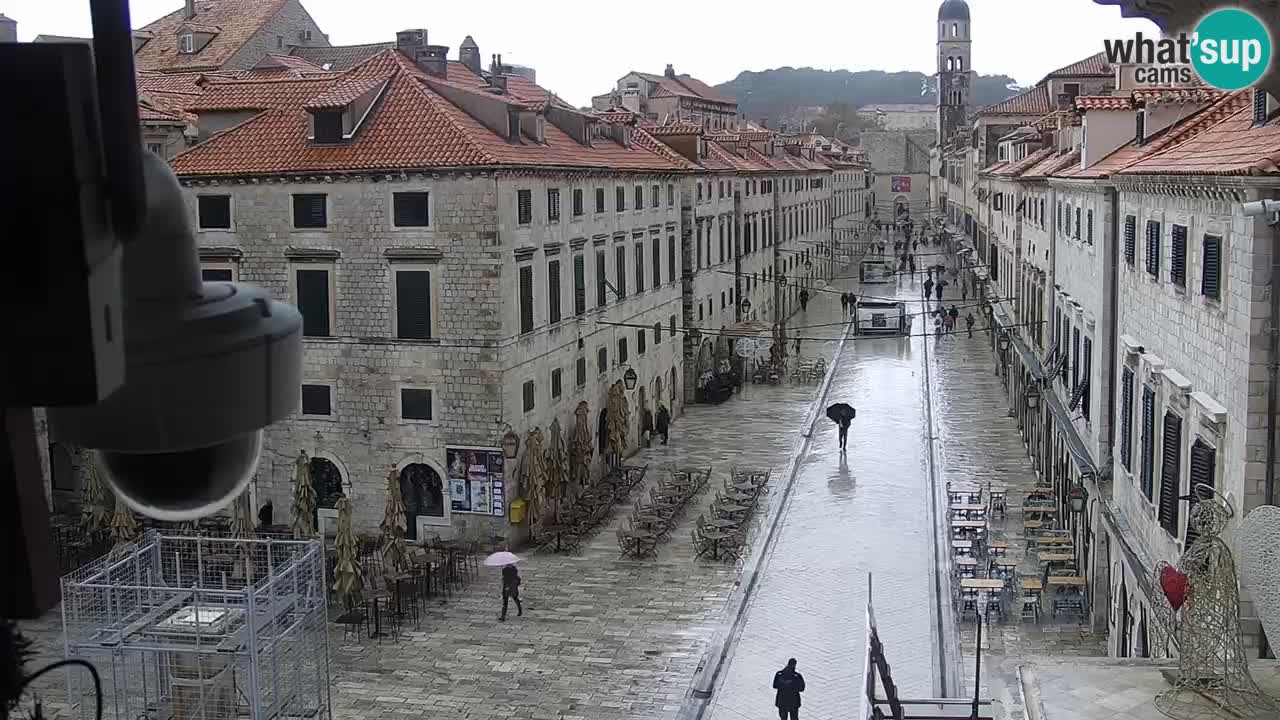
(422, 492)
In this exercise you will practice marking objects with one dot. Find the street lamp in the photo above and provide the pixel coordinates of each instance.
(1077, 498)
(1033, 397)
(746, 306)
(1004, 342)
(808, 264)
(695, 335)
(629, 378)
(510, 443)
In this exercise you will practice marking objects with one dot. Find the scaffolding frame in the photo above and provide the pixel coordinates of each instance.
(201, 627)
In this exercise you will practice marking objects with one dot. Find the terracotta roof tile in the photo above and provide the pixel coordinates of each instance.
(1092, 66)
(273, 65)
(1015, 169)
(685, 86)
(675, 129)
(346, 92)
(1181, 95)
(991, 169)
(235, 20)
(191, 83)
(1104, 102)
(1222, 141)
(410, 127)
(1034, 101)
(340, 57)
(1051, 165)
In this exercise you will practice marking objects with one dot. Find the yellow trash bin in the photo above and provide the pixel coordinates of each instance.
(518, 509)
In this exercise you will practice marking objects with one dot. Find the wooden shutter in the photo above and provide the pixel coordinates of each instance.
(602, 283)
(657, 261)
(581, 371)
(524, 206)
(639, 198)
(410, 209)
(557, 382)
(553, 204)
(415, 404)
(1086, 371)
(1204, 465)
(526, 299)
(1178, 255)
(1153, 248)
(1076, 234)
(413, 304)
(1126, 418)
(640, 341)
(579, 284)
(309, 211)
(620, 272)
(577, 203)
(599, 200)
(528, 396)
(671, 258)
(313, 302)
(1259, 106)
(1088, 230)
(1170, 472)
(1148, 439)
(553, 291)
(1075, 359)
(1211, 279)
(1130, 237)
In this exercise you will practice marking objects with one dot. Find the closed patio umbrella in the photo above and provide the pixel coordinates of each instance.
(304, 499)
(556, 471)
(535, 473)
(395, 555)
(346, 573)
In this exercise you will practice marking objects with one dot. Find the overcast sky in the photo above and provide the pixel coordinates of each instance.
(580, 49)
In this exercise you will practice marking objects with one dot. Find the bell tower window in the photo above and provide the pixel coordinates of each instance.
(955, 29)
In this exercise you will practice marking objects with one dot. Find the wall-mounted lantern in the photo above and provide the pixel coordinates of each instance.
(510, 444)
(1033, 397)
(1077, 498)
(629, 378)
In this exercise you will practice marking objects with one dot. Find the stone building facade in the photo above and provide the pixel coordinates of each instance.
(671, 98)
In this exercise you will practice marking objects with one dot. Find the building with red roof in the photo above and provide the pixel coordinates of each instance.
(669, 98)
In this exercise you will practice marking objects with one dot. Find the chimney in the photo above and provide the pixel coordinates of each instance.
(190, 10)
(433, 60)
(469, 54)
(410, 42)
(670, 71)
(497, 81)
(8, 29)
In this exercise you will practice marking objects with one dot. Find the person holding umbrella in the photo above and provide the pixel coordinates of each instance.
(842, 414)
(510, 580)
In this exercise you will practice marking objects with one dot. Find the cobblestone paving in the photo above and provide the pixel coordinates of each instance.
(865, 512)
(601, 637)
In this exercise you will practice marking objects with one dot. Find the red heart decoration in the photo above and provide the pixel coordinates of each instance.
(1174, 584)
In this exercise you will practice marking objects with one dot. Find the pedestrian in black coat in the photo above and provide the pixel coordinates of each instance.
(844, 302)
(928, 288)
(789, 685)
(664, 422)
(510, 590)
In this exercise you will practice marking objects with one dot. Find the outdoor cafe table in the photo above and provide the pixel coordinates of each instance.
(731, 508)
(1032, 524)
(966, 562)
(642, 540)
(962, 545)
(1032, 584)
(967, 507)
(998, 545)
(1055, 540)
(740, 497)
(746, 486)
(721, 523)
(1068, 581)
(982, 584)
(1049, 557)
(969, 524)
(715, 536)
(557, 531)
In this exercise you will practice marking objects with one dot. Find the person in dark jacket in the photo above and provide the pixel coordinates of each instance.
(968, 321)
(844, 302)
(664, 422)
(804, 300)
(789, 685)
(844, 433)
(646, 426)
(265, 514)
(928, 287)
(510, 590)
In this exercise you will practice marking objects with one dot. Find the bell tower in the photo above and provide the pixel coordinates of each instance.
(954, 70)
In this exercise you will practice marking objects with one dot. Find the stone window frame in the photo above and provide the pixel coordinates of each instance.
(413, 264)
(231, 265)
(417, 385)
(231, 213)
(331, 267)
(422, 459)
(333, 394)
(394, 190)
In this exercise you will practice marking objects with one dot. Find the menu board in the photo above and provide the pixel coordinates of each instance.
(476, 481)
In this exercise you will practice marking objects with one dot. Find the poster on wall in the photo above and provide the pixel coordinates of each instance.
(901, 183)
(476, 481)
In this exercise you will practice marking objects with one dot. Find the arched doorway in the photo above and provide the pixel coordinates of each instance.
(672, 387)
(422, 492)
(642, 405)
(326, 480)
(1144, 640)
(657, 391)
(1125, 620)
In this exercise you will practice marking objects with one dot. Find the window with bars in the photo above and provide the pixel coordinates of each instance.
(310, 210)
(639, 192)
(1088, 228)
(413, 304)
(620, 198)
(1153, 248)
(524, 206)
(671, 258)
(620, 271)
(622, 350)
(580, 372)
(639, 268)
(527, 393)
(579, 285)
(577, 203)
(599, 200)
(1178, 255)
(602, 281)
(1211, 267)
(214, 212)
(553, 205)
(1130, 238)
(411, 209)
(1126, 418)
(1170, 472)
(1204, 468)
(526, 299)
(602, 360)
(640, 341)
(553, 291)
(557, 382)
(1148, 439)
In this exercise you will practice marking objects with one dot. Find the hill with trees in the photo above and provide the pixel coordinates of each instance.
(776, 93)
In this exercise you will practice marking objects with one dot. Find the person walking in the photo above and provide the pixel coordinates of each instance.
(937, 288)
(928, 287)
(789, 685)
(510, 591)
(664, 422)
(804, 300)
(968, 320)
(844, 302)
(911, 263)
(953, 319)
(964, 291)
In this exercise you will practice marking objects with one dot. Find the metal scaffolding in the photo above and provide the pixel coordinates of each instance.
(200, 628)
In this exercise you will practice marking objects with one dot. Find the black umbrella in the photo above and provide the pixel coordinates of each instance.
(840, 412)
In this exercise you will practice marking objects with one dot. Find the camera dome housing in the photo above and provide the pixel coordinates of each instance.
(207, 366)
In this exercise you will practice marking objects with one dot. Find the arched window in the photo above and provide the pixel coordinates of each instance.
(422, 492)
(955, 29)
(951, 64)
(960, 63)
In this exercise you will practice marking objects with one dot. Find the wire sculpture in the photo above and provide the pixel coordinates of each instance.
(1198, 613)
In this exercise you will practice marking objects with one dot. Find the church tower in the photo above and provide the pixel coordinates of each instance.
(954, 70)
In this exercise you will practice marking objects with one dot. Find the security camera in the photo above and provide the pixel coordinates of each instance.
(1261, 207)
(207, 367)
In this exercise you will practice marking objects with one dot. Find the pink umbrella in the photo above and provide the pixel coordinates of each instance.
(501, 559)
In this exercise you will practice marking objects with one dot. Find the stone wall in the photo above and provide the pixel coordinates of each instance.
(287, 27)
